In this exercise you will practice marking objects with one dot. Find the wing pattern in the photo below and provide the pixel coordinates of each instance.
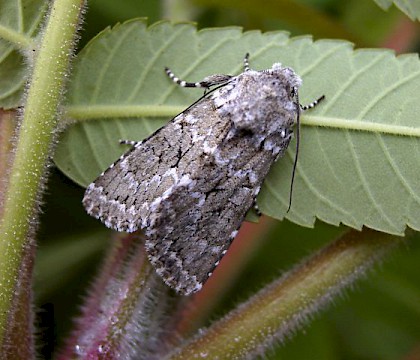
(191, 183)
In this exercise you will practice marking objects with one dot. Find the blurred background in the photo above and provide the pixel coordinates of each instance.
(362, 22)
(378, 319)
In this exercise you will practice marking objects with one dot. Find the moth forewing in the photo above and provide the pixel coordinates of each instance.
(191, 183)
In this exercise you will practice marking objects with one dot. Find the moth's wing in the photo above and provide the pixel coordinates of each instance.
(124, 195)
(194, 225)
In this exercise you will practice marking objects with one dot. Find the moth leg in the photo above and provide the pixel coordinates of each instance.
(256, 208)
(312, 104)
(246, 62)
(130, 142)
(207, 82)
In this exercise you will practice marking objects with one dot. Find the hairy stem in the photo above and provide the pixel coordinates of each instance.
(126, 310)
(33, 148)
(274, 314)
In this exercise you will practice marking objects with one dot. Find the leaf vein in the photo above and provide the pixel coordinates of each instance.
(385, 92)
(397, 171)
(318, 194)
(318, 61)
(104, 68)
(276, 195)
(350, 81)
(365, 184)
(152, 60)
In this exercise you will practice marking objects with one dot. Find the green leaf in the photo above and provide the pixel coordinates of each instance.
(19, 22)
(410, 7)
(359, 152)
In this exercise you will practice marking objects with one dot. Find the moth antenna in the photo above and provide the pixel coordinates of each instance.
(299, 107)
(297, 148)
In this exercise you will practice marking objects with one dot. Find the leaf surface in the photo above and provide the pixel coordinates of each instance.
(359, 155)
(19, 22)
(410, 7)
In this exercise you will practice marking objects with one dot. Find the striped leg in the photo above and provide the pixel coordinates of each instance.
(256, 208)
(246, 62)
(206, 83)
(130, 142)
(312, 104)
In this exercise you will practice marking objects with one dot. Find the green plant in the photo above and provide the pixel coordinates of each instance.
(358, 167)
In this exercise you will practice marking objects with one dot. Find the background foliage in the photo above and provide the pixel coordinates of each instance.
(379, 320)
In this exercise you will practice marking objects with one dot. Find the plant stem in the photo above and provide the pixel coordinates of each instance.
(274, 314)
(34, 147)
(127, 309)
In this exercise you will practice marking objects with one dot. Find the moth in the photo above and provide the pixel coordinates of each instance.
(190, 184)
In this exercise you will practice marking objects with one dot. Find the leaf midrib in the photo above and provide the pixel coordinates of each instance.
(90, 112)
